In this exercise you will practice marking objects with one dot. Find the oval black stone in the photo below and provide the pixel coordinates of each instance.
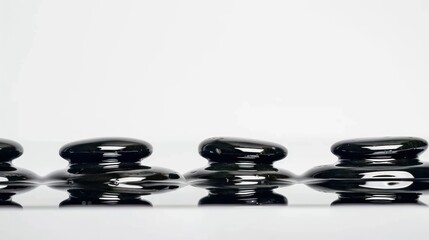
(105, 150)
(380, 148)
(9, 150)
(224, 149)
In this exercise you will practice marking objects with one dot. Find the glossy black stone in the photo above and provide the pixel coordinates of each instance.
(236, 175)
(108, 172)
(379, 170)
(380, 148)
(9, 150)
(240, 184)
(222, 149)
(241, 171)
(13, 180)
(106, 150)
(113, 183)
(11, 175)
(8, 189)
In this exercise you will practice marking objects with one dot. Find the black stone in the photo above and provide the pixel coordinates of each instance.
(380, 148)
(378, 170)
(9, 150)
(10, 189)
(13, 180)
(108, 172)
(241, 171)
(106, 150)
(125, 178)
(113, 184)
(16, 176)
(224, 149)
(237, 175)
(241, 184)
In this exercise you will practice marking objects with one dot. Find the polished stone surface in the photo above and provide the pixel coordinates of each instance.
(108, 172)
(241, 171)
(247, 184)
(224, 149)
(126, 178)
(113, 183)
(105, 150)
(11, 174)
(380, 170)
(226, 175)
(9, 150)
(380, 148)
(10, 189)
(13, 180)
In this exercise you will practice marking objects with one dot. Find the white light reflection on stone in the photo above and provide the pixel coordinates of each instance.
(403, 180)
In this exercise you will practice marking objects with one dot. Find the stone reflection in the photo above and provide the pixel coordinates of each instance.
(105, 195)
(373, 191)
(243, 196)
(8, 191)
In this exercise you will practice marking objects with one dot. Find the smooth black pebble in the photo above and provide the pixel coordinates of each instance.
(106, 149)
(107, 171)
(9, 150)
(241, 171)
(223, 149)
(374, 170)
(13, 180)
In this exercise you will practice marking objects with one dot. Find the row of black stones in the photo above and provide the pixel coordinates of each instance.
(239, 171)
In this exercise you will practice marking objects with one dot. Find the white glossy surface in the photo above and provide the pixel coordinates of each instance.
(218, 223)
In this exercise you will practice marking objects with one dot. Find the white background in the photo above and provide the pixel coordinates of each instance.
(301, 73)
(176, 72)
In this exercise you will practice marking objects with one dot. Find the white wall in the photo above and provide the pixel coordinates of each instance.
(301, 73)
